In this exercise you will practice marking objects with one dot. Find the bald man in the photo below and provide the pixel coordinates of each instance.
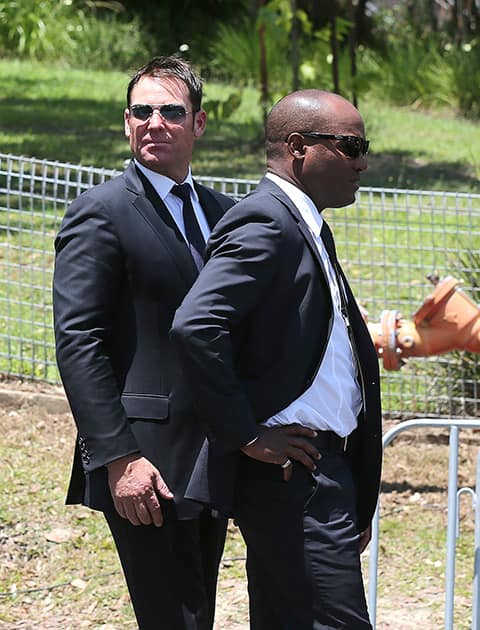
(277, 357)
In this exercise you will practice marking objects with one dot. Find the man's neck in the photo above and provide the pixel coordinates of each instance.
(178, 175)
(170, 175)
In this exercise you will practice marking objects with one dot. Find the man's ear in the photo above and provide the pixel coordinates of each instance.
(126, 126)
(296, 146)
(199, 123)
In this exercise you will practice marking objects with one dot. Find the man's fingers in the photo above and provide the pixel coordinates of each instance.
(137, 487)
(155, 510)
(119, 507)
(287, 473)
(306, 446)
(297, 429)
(131, 513)
(143, 513)
(304, 458)
(162, 488)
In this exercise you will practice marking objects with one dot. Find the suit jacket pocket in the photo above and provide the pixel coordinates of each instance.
(146, 407)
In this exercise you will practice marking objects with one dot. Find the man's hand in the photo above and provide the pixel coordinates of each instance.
(278, 445)
(365, 538)
(136, 485)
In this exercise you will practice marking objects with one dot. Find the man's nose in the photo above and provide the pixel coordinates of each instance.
(361, 163)
(156, 119)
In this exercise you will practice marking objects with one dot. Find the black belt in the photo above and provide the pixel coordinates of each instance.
(330, 441)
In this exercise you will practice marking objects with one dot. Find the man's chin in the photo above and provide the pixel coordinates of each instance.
(154, 160)
(346, 201)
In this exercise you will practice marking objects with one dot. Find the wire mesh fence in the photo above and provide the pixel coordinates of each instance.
(389, 241)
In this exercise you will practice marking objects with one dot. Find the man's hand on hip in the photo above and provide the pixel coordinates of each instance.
(278, 445)
(136, 486)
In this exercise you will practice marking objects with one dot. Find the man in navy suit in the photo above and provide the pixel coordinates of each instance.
(126, 254)
(269, 338)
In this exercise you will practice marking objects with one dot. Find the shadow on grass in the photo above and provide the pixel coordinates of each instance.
(60, 115)
(230, 149)
(79, 131)
(402, 169)
(405, 486)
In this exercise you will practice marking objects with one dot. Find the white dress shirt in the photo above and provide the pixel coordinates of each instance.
(334, 399)
(163, 185)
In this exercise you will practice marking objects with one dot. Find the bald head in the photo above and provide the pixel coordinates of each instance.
(321, 165)
(304, 110)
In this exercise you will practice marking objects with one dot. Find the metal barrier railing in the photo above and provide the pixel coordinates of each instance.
(388, 241)
(453, 495)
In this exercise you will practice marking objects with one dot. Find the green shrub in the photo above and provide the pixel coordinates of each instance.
(34, 29)
(465, 77)
(236, 55)
(413, 72)
(108, 43)
(73, 34)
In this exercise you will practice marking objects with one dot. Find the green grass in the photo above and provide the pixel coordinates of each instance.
(77, 116)
(387, 244)
(421, 150)
(66, 115)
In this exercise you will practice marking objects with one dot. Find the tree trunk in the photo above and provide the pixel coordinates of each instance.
(264, 95)
(361, 28)
(294, 45)
(334, 49)
(352, 47)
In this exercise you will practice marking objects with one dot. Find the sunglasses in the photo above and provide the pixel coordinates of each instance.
(170, 112)
(351, 146)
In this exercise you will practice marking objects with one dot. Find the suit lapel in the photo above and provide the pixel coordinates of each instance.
(210, 206)
(154, 211)
(278, 193)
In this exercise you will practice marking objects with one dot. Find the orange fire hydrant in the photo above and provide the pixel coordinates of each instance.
(447, 320)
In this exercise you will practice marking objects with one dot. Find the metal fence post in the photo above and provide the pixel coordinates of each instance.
(476, 560)
(373, 563)
(451, 527)
(454, 424)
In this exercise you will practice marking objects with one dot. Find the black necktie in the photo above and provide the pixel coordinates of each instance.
(327, 238)
(192, 229)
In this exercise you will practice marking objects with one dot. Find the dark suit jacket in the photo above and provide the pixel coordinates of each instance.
(251, 335)
(122, 268)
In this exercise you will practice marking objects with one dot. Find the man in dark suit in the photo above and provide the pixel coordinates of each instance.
(126, 254)
(270, 337)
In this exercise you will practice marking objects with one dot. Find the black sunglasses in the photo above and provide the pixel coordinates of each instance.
(170, 112)
(352, 146)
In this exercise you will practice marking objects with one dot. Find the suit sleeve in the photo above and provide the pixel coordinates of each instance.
(242, 258)
(87, 285)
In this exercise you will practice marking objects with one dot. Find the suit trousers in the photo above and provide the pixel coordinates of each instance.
(303, 561)
(171, 571)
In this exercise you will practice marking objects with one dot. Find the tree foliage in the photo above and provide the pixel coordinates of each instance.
(97, 33)
(422, 51)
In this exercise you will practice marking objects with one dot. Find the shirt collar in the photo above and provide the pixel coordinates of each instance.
(302, 201)
(163, 184)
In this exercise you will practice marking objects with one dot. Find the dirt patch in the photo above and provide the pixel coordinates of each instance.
(59, 570)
